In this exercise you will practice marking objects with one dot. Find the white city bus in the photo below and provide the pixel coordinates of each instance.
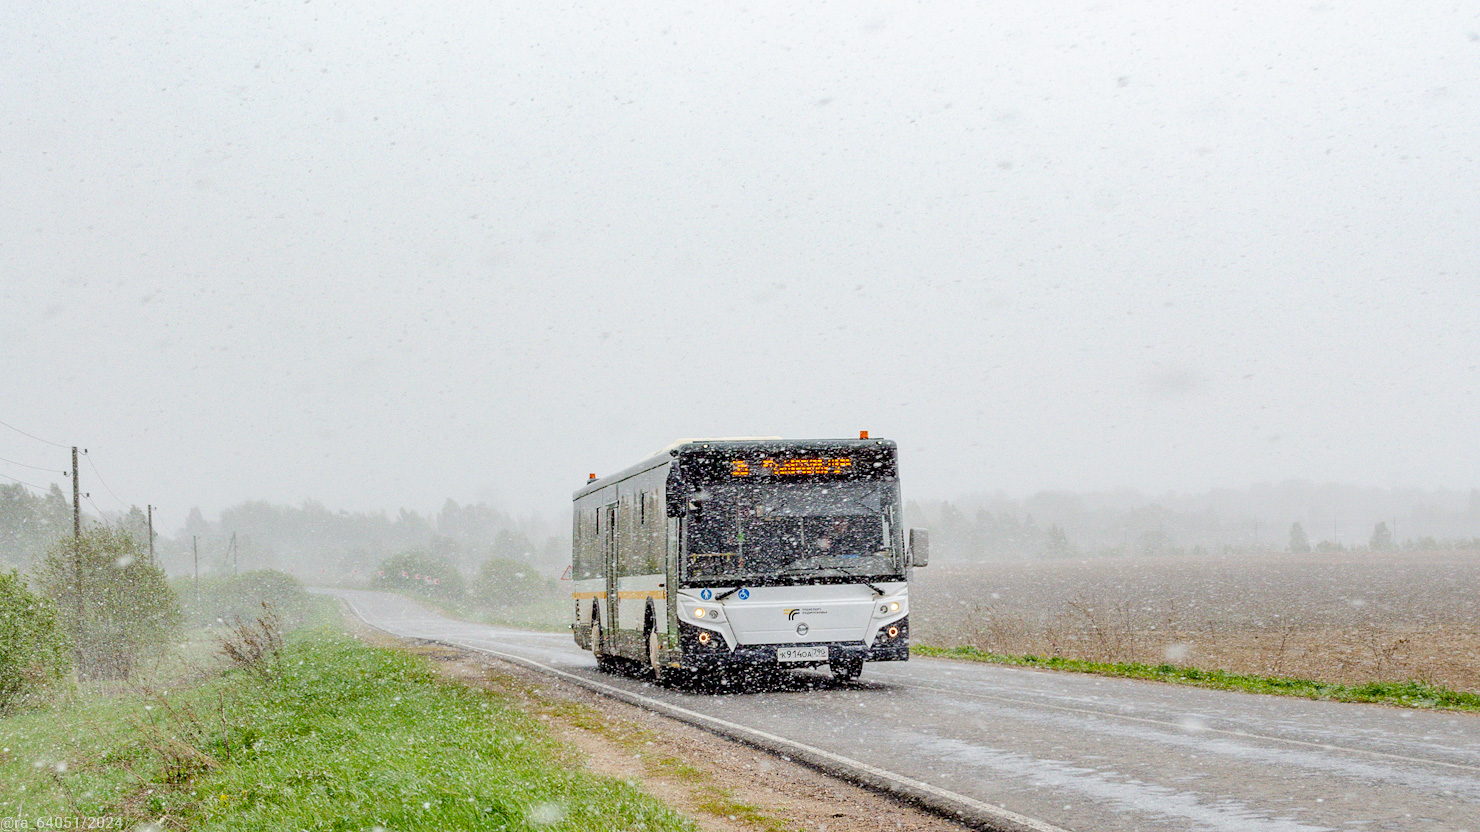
(721, 554)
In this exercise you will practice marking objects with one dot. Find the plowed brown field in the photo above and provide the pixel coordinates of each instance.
(1347, 618)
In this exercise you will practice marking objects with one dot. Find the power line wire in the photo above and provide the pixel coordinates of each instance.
(104, 482)
(24, 465)
(101, 516)
(33, 436)
(27, 484)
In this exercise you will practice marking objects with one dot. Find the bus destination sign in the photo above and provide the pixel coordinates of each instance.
(799, 467)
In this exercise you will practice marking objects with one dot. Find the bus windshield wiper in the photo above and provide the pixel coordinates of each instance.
(798, 569)
(727, 593)
(860, 579)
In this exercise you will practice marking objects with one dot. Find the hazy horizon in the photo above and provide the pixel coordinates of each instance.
(386, 255)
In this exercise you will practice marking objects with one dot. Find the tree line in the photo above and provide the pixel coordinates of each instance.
(315, 541)
(1293, 517)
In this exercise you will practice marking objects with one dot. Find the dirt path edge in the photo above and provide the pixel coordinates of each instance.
(957, 807)
(964, 810)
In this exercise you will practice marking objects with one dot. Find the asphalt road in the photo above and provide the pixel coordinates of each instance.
(1074, 751)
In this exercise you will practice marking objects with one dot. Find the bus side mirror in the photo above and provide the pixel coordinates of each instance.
(919, 547)
(696, 502)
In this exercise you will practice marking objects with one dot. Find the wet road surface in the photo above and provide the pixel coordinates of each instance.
(1077, 752)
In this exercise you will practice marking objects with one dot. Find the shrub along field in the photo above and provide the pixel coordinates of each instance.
(504, 592)
(219, 600)
(327, 733)
(1344, 618)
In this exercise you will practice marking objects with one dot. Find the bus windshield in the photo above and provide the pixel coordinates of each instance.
(780, 532)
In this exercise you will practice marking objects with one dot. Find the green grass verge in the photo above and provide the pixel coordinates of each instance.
(1411, 694)
(338, 736)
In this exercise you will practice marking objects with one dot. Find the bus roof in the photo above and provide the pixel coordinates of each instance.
(748, 445)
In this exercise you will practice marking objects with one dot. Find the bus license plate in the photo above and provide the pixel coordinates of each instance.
(801, 654)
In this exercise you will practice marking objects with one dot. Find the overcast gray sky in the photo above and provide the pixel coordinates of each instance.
(379, 254)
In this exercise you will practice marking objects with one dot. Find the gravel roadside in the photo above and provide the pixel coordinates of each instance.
(722, 785)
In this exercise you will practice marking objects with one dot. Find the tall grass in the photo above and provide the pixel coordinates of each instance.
(336, 735)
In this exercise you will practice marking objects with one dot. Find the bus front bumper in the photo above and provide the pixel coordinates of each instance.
(696, 656)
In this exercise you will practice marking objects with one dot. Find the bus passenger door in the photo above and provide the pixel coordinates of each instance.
(673, 546)
(609, 569)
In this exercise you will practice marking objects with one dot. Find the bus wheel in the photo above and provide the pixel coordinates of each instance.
(655, 657)
(847, 670)
(605, 662)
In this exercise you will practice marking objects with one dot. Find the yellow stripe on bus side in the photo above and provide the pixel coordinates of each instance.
(643, 593)
(601, 594)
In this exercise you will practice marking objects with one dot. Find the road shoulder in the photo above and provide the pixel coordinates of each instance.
(720, 784)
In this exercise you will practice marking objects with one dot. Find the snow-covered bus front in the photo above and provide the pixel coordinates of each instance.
(756, 553)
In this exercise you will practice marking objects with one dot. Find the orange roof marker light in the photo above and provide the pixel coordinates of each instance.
(590, 477)
(863, 434)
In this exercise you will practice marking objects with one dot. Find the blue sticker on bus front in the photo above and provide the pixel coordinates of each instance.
(705, 594)
(744, 593)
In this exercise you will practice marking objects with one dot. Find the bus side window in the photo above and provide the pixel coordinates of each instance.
(587, 548)
(578, 547)
(595, 551)
(653, 537)
(627, 550)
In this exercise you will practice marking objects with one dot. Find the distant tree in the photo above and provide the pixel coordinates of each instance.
(34, 654)
(29, 523)
(512, 544)
(1299, 543)
(196, 525)
(502, 581)
(1157, 543)
(1058, 545)
(951, 538)
(1382, 539)
(127, 610)
(226, 599)
(420, 573)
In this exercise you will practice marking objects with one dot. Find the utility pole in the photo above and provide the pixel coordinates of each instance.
(151, 533)
(77, 549)
(233, 553)
(195, 547)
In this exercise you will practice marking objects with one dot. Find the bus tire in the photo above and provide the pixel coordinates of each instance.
(596, 640)
(655, 658)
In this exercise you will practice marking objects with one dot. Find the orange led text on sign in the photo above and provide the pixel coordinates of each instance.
(793, 467)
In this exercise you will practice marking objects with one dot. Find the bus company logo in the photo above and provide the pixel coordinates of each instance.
(791, 614)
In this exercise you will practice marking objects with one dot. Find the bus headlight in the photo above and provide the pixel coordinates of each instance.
(894, 633)
(698, 612)
(692, 638)
(894, 606)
